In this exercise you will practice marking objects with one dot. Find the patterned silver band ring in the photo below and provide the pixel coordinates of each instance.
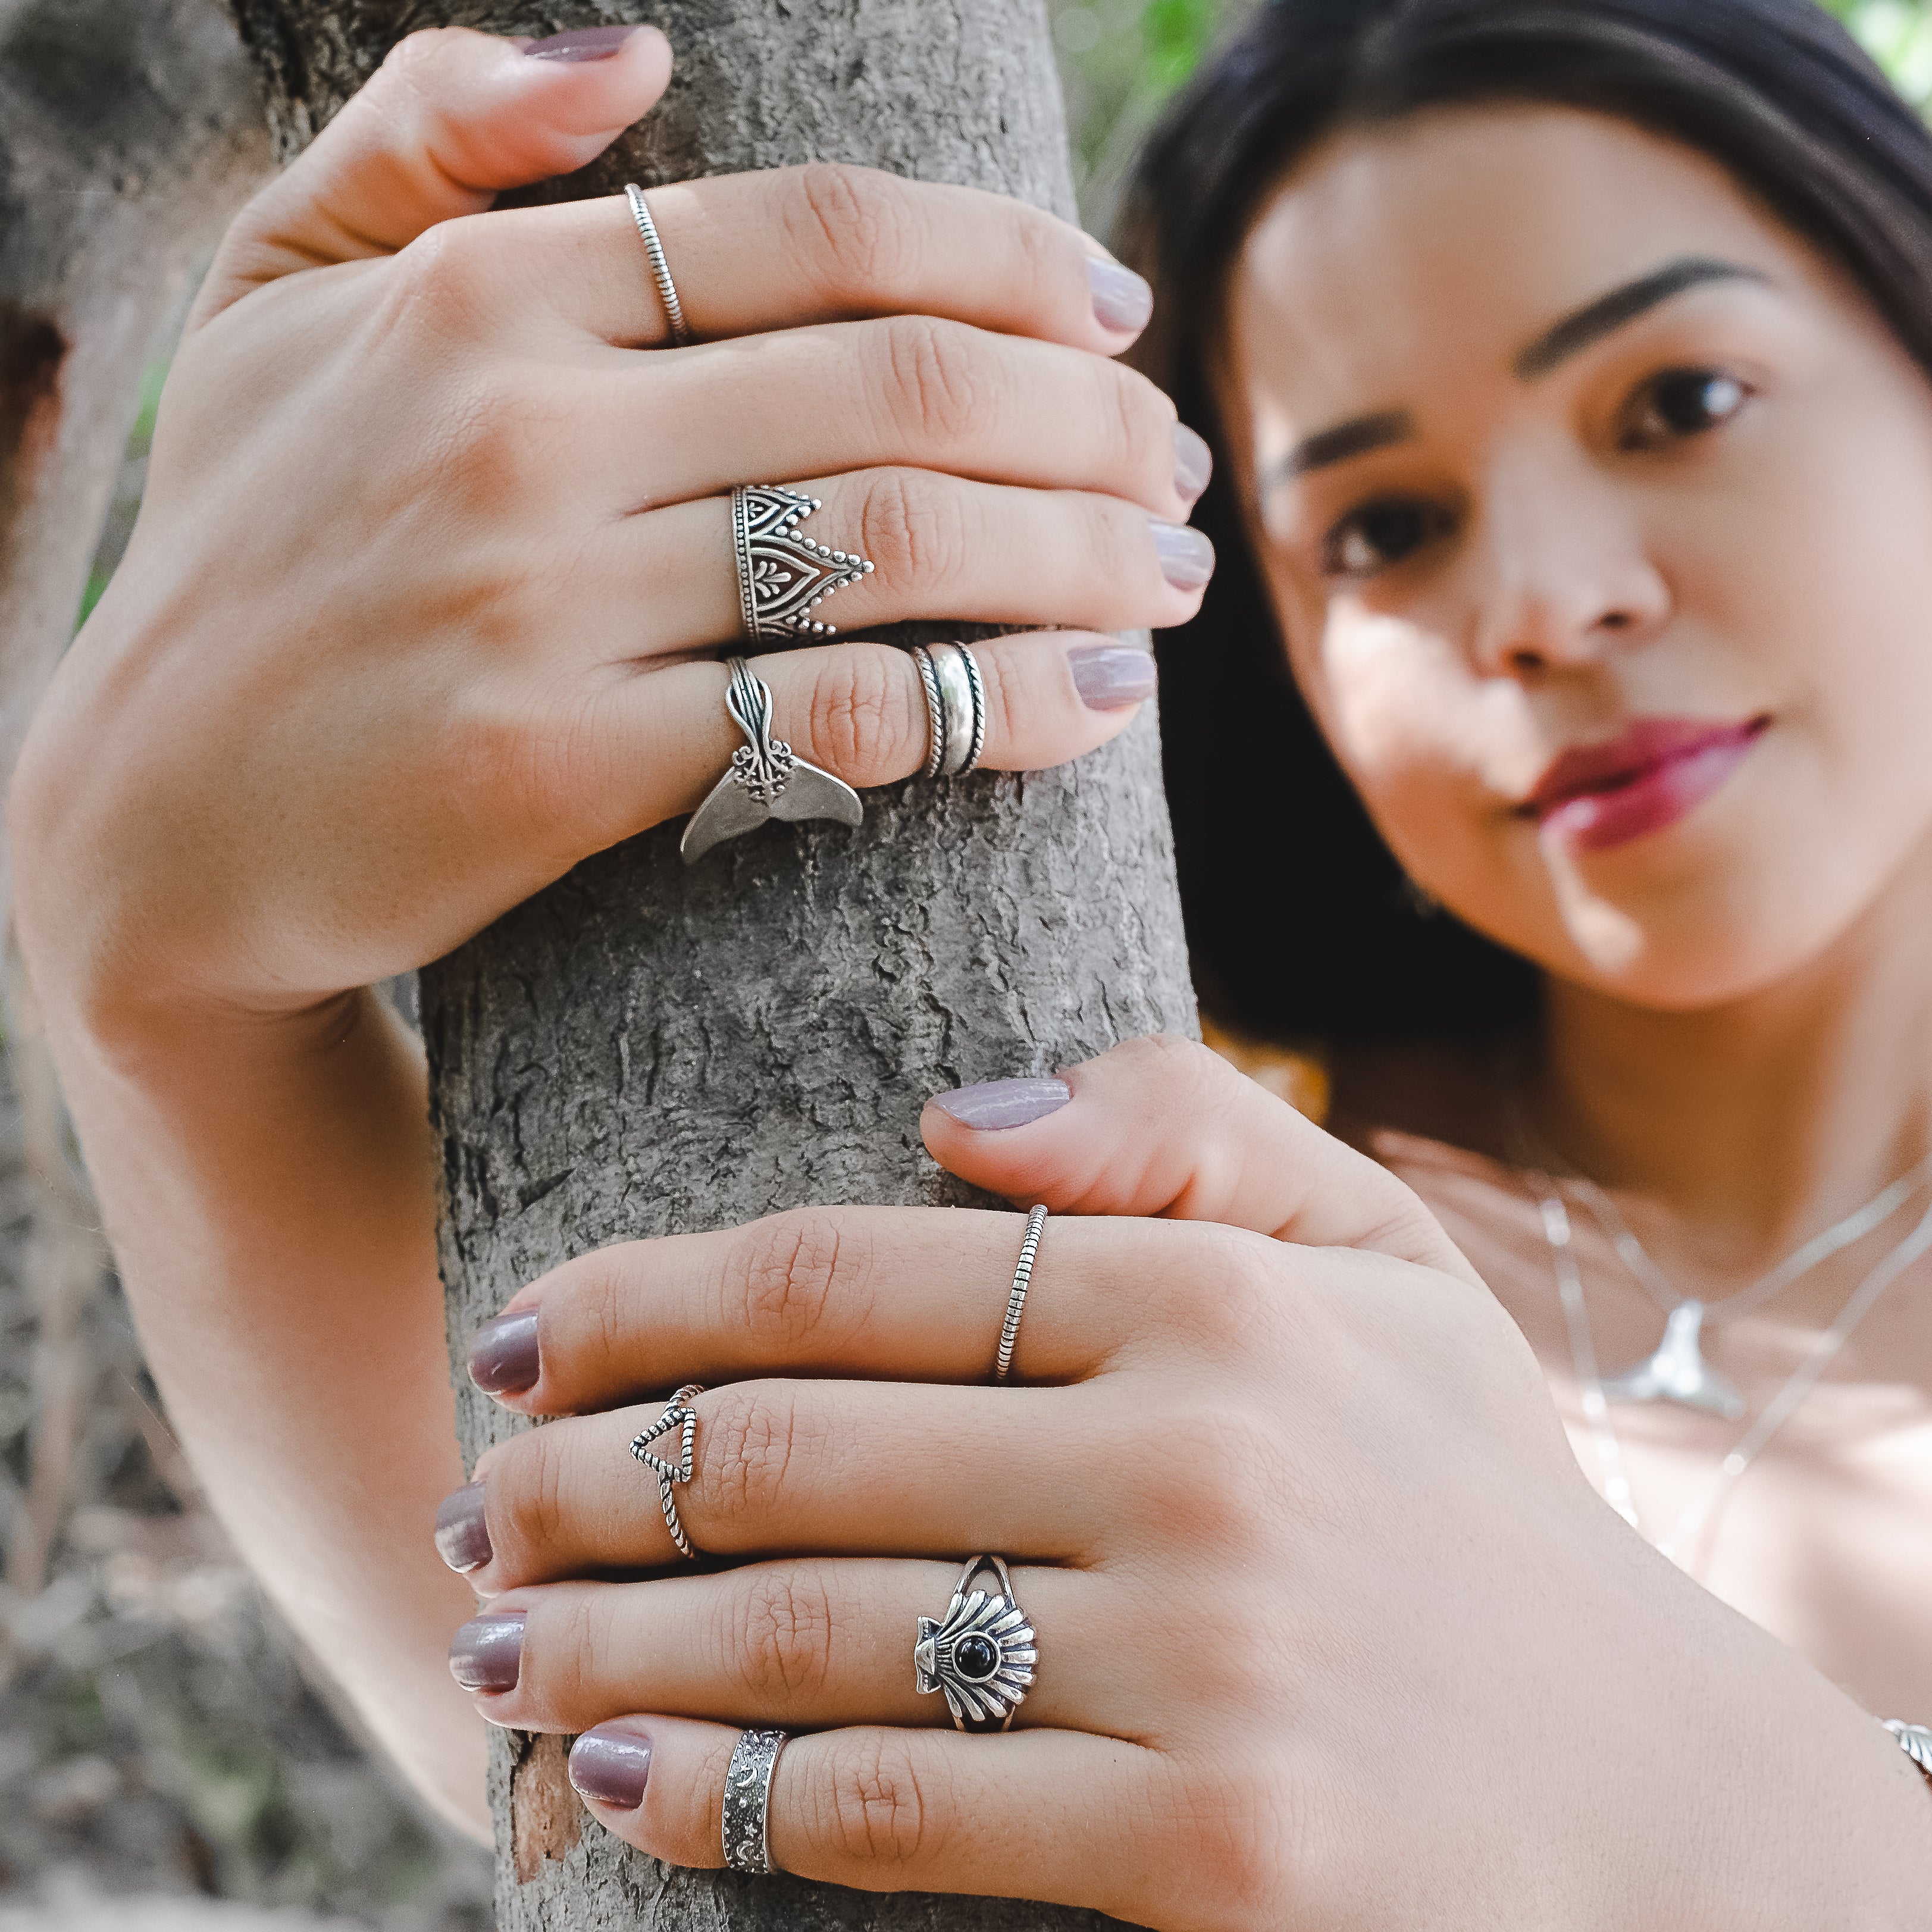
(1022, 1278)
(748, 1801)
(678, 1414)
(955, 701)
(783, 577)
(982, 1653)
(647, 229)
(935, 712)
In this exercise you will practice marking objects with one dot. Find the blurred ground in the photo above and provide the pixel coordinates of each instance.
(156, 1734)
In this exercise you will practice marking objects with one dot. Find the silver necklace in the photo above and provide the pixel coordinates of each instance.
(1779, 1411)
(1675, 1370)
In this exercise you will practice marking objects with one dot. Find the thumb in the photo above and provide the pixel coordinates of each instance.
(1161, 1126)
(449, 120)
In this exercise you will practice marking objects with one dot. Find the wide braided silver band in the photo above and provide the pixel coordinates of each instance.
(747, 1800)
(955, 707)
(647, 229)
(1009, 1329)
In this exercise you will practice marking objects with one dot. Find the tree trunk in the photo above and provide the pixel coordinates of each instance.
(643, 1049)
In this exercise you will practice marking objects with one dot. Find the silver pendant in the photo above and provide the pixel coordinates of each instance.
(1678, 1372)
(765, 779)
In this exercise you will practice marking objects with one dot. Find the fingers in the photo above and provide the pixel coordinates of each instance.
(780, 1466)
(1164, 1126)
(1055, 1816)
(980, 553)
(854, 243)
(811, 1641)
(900, 1294)
(450, 119)
(655, 743)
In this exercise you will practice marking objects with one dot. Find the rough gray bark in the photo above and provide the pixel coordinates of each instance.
(641, 1049)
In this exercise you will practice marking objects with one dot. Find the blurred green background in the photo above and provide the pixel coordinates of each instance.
(155, 1732)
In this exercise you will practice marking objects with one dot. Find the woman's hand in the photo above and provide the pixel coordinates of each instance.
(433, 561)
(1331, 1631)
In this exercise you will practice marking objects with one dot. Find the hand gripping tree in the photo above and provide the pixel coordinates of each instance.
(643, 1048)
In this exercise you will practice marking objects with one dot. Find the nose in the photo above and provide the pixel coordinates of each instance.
(1562, 575)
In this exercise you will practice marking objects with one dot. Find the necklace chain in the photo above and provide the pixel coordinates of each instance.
(1779, 1411)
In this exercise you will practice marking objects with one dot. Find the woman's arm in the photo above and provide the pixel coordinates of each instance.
(395, 645)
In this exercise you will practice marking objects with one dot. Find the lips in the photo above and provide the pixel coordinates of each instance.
(1595, 796)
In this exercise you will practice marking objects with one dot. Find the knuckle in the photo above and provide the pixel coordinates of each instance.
(531, 758)
(445, 277)
(930, 367)
(862, 716)
(854, 220)
(880, 1803)
(748, 1438)
(782, 1628)
(913, 528)
(1231, 1488)
(784, 1271)
(1235, 1820)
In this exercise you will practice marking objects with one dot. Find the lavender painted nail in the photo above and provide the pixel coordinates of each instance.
(1193, 462)
(1187, 557)
(1111, 677)
(580, 43)
(994, 1104)
(462, 1535)
(613, 1764)
(1122, 300)
(487, 1654)
(503, 1358)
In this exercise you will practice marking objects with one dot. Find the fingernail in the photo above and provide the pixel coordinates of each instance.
(612, 1765)
(1193, 462)
(1003, 1103)
(580, 43)
(1109, 677)
(1187, 557)
(462, 1535)
(503, 1354)
(1122, 300)
(487, 1653)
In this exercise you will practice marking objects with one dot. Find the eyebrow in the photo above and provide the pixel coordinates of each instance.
(1355, 437)
(1596, 320)
(1562, 340)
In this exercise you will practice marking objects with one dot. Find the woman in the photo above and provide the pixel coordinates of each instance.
(1569, 373)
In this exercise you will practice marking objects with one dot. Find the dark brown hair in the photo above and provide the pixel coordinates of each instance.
(1299, 921)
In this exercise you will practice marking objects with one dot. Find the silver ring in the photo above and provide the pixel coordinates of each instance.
(747, 1800)
(783, 577)
(955, 708)
(981, 1653)
(1015, 1301)
(678, 1415)
(766, 778)
(640, 213)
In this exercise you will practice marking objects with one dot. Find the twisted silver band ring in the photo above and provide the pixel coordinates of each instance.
(981, 1654)
(647, 228)
(678, 1415)
(956, 709)
(747, 1800)
(782, 577)
(766, 778)
(1022, 1278)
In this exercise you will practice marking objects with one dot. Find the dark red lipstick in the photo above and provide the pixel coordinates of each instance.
(1594, 797)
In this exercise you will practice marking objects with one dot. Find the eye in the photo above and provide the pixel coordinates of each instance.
(1679, 403)
(1382, 532)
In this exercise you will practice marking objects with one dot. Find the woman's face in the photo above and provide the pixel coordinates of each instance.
(1598, 508)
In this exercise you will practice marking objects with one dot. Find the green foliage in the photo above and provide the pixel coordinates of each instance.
(1898, 35)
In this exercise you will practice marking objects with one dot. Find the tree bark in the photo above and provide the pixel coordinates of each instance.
(643, 1049)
